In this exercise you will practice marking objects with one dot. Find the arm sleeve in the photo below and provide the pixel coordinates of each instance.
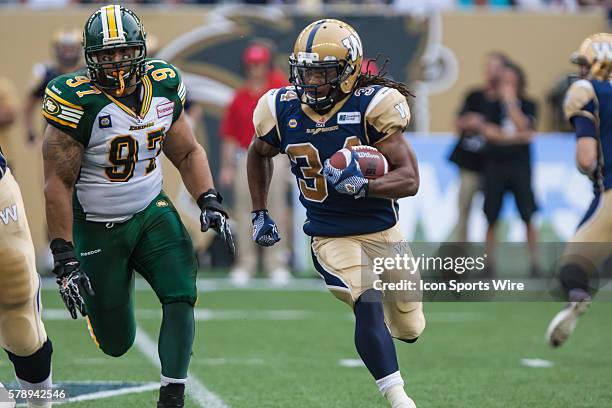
(264, 119)
(387, 113)
(64, 114)
(584, 127)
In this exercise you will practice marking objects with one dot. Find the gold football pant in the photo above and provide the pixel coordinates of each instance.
(346, 265)
(21, 329)
(590, 249)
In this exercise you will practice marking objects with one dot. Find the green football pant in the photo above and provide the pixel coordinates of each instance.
(154, 243)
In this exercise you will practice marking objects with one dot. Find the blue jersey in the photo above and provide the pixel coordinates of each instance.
(592, 99)
(366, 117)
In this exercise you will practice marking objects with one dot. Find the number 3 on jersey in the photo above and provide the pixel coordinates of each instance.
(312, 183)
(123, 155)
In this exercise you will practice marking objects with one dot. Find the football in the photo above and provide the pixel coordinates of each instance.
(372, 162)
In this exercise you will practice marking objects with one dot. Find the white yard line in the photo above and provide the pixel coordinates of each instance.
(536, 363)
(198, 392)
(112, 393)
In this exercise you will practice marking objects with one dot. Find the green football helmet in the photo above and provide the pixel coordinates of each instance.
(112, 28)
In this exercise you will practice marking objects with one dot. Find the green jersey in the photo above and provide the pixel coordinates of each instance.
(120, 170)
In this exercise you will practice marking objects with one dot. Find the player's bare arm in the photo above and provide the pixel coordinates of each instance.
(62, 161)
(586, 154)
(259, 170)
(189, 157)
(403, 178)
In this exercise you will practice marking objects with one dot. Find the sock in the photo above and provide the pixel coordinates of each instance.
(572, 277)
(46, 384)
(392, 380)
(372, 338)
(176, 340)
(167, 380)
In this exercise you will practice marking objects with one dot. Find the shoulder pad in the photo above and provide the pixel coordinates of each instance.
(264, 116)
(578, 98)
(167, 75)
(163, 72)
(388, 112)
(62, 107)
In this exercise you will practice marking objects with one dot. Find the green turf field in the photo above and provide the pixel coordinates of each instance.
(270, 348)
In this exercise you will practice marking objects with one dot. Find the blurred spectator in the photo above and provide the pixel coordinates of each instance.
(67, 52)
(237, 132)
(508, 129)
(468, 154)
(8, 113)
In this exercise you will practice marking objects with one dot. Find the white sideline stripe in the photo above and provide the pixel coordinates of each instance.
(198, 392)
(111, 393)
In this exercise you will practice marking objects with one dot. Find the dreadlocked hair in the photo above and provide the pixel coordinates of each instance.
(367, 79)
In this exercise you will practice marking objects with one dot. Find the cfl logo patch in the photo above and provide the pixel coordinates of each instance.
(8, 214)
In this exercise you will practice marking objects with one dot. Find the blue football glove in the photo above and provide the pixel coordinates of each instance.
(349, 180)
(265, 232)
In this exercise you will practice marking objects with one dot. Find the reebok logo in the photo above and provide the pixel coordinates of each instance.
(88, 253)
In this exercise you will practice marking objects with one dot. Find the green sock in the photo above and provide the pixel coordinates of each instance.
(176, 339)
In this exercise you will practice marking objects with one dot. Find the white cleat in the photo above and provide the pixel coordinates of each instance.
(564, 323)
(409, 403)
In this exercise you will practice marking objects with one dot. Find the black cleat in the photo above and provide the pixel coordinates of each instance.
(171, 396)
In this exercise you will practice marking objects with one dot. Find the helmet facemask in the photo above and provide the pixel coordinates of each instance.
(318, 84)
(116, 76)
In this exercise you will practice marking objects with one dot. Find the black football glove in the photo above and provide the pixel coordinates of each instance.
(214, 216)
(69, 277)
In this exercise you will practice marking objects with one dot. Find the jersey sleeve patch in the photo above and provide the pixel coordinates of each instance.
(264, 119)
(61, 113)
(580, 100)
(386, 114)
